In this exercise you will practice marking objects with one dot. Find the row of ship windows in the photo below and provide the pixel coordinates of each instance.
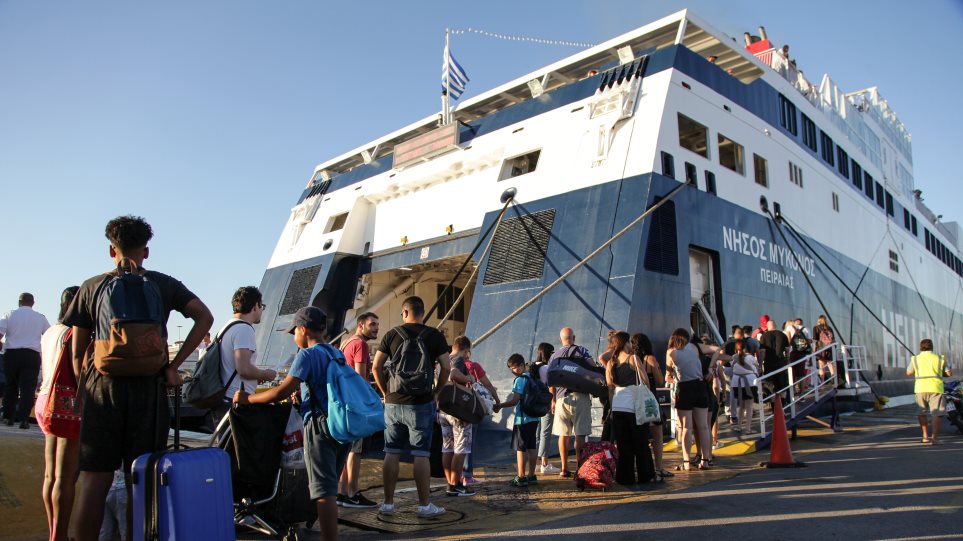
(862, 180)
(694, 136)
(691, 176)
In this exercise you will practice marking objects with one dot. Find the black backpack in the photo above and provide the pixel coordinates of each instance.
(800, 343)
(537, 399)
(411, 370)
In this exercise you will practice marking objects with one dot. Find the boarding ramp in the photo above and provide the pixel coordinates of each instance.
(806, 392)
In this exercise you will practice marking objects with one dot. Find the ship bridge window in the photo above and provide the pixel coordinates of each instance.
(520, 165)
(906, 219)
(889, 205)
(809, 133)
(828, 148)
(690, 173)
(693, 136)
(336, 222)
(857, 176)
(880, 196)
(843, 162)
(761, 168)
(913, 225)
(787, 115)
(868, 184)
(732, 155)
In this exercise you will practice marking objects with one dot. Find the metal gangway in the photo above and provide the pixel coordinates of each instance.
(808, 392)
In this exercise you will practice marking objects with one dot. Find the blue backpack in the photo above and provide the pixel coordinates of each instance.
(354, 408)
(129, 335)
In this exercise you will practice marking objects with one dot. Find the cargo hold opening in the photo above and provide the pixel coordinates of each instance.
(383, 292)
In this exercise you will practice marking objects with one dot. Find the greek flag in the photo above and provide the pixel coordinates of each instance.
(453, 77)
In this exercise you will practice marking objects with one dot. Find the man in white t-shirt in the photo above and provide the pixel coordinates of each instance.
(23, 328)
(239, 348)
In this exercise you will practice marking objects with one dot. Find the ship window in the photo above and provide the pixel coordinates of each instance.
(519, 165)
(835, 201)
(732, 155)
(869, 185)
(668, 165)
(693, 136)
(661, 247)
(880, 196)
(690, 173)
(913, 224)
(927, 236)
(828, 148)
(893, 261)
(857, 176)
(519, 248)
(711, 182)
(299, 289)
(787, 115)
(336, 222)
(809, 133)
(889, 205)
(906, 219)
(795, 174)
(448, 300)
(843, 161)
(761, 168)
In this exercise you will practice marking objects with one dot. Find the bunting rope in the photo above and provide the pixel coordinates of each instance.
(507, 37)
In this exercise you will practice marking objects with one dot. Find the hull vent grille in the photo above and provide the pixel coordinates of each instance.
(518, 251)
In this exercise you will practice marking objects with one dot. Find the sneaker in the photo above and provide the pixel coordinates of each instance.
(532, 480)
(358, 501)
(468, 480)
(341, 499)
(430, 510)
(548, 468)
(460, 490)
(519, 481)
(386, 509)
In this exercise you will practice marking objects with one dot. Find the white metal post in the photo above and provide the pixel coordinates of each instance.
(792, 391)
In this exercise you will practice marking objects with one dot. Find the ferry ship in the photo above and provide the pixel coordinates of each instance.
(749, 189)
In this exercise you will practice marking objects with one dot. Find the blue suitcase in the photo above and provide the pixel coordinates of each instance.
(183, 495)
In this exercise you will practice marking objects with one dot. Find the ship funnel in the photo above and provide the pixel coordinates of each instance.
(747, 38)
(508, 195)
(762, 32)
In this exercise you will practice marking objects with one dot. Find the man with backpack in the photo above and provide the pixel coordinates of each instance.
(357, 356)
(405, 365)
(124, 312)
(239, 348)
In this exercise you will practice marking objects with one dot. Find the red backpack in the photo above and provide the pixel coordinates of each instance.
(598, 466)
(58, 411)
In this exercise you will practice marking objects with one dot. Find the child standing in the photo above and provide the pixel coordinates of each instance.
(325, 457)
(524, 433)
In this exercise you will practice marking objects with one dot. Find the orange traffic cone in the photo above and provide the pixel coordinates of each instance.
(780, 455)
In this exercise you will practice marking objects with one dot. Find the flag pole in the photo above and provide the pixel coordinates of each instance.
(446, 96)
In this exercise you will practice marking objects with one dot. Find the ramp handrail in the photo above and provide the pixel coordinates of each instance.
(791, 406)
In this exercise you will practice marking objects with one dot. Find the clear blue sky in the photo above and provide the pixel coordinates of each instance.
(207, 117)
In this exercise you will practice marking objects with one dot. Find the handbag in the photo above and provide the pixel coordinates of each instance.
(646, 405)
(484, 395)
(292, 443)
(461, 403)
(59, 410)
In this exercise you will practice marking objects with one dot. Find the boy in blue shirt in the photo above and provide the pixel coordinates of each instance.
(324, 456)
(524, 432)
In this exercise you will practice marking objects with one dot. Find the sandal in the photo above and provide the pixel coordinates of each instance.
(665, 473)
(565, 473)
(705, 465)
(657, 478)
(925, 440)
(684, 466)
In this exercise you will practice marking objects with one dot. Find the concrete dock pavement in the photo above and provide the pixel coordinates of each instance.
(874, 480)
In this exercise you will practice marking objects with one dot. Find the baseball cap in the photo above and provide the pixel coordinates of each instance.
(311, 317)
